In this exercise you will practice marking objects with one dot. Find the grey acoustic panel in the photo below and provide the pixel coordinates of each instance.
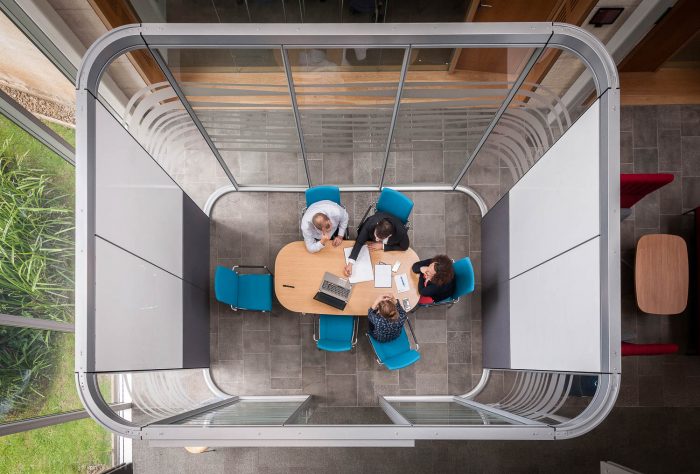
(495, 286)
(138, 206)
(138, 313)
(195, 326)
(195, 244)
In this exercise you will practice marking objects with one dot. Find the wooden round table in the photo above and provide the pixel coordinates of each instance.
(296, 267)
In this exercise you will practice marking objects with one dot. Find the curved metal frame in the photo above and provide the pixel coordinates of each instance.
(531, 35)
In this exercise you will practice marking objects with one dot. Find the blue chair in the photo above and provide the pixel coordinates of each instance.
(336, 333)
(250, 292)
(464, 282)
(322, 193)
(395, 203)
(396, 354)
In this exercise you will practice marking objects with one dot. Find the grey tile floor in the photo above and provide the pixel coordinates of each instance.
(663, 139)
(274, 353)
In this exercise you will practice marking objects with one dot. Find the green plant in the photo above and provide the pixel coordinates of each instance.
(36, 274)
(36, 230)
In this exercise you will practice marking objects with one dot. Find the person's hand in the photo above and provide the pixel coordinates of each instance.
(348, 270)
(337, 241)
(389, 297)
(325, 238)
(375, 246)
(378, 300)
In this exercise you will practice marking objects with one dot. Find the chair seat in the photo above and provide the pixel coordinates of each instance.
(255, 292)
(395, 354)
(402, 360)
(332, 345)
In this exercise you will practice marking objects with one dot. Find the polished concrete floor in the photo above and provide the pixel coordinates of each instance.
(653, 428)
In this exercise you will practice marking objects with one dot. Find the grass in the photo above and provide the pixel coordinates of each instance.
(78, 446)
(67, 133)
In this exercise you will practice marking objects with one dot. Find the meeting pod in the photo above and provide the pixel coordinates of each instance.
(208, 165)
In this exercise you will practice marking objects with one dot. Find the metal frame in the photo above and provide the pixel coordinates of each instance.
(33, 126)
(523, 35)
(50, 420)
(35, 323)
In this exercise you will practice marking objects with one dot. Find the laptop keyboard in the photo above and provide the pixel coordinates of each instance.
(336, 289)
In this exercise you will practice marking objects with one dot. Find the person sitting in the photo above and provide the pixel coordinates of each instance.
(383, 231)
(386, 317)
(322, 222)
(437, 279)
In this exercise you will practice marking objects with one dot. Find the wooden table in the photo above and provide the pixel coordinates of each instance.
(661, 274)
(296, 267)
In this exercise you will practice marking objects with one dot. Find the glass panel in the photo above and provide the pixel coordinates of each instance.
(346, 99)
(35, 83)
(241, 96)
(320, 415)
(246, 412)
(447, 413)
(36, 373)
(542, 110)
(77, 446)
(548, 397)
(156, 395)
(443, 115)
(36, 215)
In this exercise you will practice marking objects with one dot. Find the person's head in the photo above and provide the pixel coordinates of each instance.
(387, 308)
(383, 229)
(321, 222)
(440, 271)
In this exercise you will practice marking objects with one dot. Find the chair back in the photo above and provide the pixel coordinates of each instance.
(226, 285)
(322, 193)
(395, 203)
(464, 277)
(335, 333)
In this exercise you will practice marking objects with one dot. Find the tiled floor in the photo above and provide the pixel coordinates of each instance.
(262, 353)
(662, 139)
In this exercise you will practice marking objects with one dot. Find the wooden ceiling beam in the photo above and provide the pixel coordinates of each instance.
(669, 35)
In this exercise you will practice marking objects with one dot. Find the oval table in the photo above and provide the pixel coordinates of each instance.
(296, 267)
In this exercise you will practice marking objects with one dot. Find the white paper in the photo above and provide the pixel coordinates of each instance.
(402, 284)
(382, 276)
(362, 269)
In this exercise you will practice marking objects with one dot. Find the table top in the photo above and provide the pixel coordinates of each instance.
(296, 267)
(661, 274)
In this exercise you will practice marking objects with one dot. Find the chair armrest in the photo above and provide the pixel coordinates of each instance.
(252, 266)
(317, 318)
(355, 329)
(413, 334)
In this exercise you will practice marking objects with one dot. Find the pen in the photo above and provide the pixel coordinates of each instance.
(288, 286)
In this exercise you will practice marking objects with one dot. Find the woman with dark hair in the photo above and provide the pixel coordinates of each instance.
(437, 279)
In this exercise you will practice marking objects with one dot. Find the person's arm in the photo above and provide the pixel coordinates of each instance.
(416, 266)
(361, 240)
(429, 289)
(343, 224)
(312, 245)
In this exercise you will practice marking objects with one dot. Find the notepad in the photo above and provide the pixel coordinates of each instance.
(382, 276)
(362, 269)
(402, 284)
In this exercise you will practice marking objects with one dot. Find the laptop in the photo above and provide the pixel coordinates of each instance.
(334, 291)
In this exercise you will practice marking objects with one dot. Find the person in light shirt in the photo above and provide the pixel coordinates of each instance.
(323, 222)
(382, 231)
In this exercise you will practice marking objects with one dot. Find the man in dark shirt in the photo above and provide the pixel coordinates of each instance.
(383, 232)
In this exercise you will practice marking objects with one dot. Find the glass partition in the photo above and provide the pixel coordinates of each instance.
(539, 113)
(443, 115)
(258, 411)
(241, 97)
(447, 413)
(346, 98)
